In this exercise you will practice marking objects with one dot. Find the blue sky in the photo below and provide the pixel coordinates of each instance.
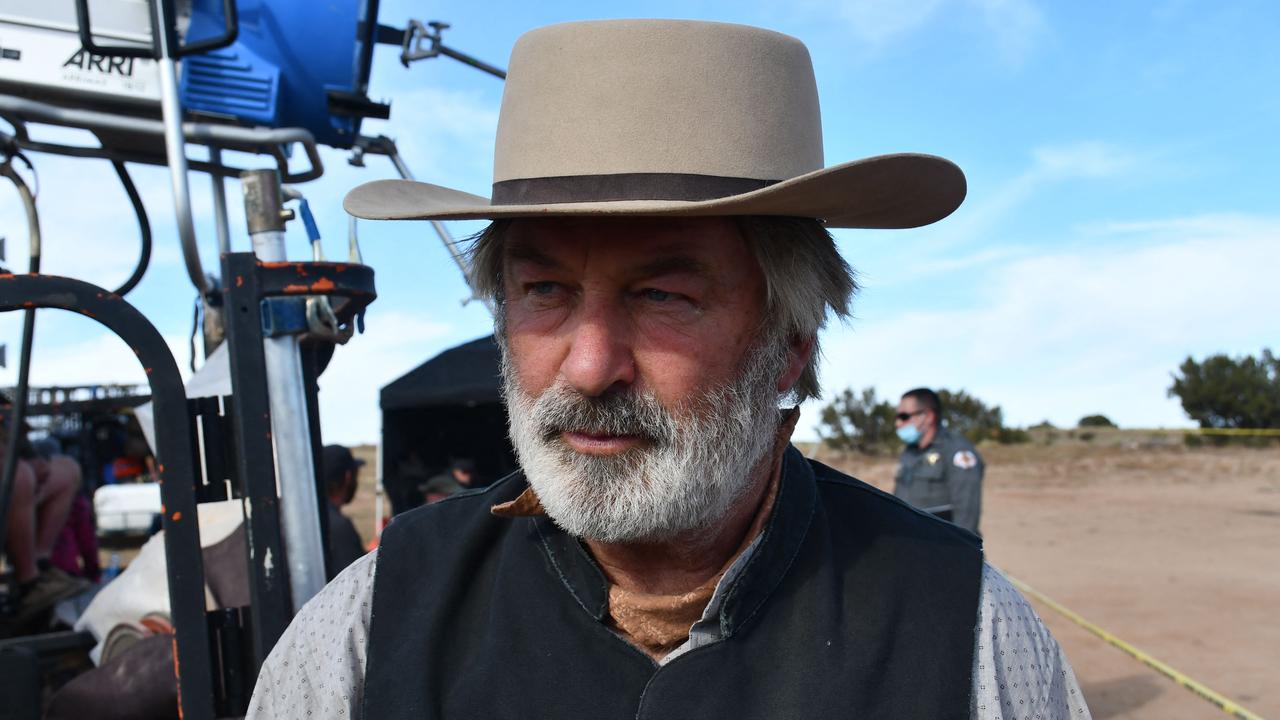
(1122, 212)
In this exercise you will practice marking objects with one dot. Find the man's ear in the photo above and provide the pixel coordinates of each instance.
(799, 353)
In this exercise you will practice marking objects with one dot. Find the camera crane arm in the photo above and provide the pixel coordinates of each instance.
(411, 41)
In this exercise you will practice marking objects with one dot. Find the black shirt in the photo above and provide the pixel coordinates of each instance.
(345, 546)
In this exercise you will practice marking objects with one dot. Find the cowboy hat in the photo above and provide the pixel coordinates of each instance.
(671, 118)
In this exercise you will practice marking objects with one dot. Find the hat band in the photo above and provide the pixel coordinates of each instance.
(621, 186)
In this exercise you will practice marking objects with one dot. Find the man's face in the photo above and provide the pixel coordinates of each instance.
(666, 307)
(910, 412)
(641, 389)
(349, 485)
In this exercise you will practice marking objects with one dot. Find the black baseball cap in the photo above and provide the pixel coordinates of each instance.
(335, 461)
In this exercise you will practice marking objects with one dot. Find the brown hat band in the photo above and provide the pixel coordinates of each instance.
(621, 186)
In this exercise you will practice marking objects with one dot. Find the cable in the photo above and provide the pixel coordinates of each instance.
(144, 228)
(17, 416)
(195, 328)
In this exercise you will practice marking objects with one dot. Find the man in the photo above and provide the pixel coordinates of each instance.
(660, 270)
(939, 472)
(341, 470)
(458, 477)
(44, 489)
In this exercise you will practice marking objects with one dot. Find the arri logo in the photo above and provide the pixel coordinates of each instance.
(85, 60)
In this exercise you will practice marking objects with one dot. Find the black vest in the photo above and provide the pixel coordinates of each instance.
(853, 605)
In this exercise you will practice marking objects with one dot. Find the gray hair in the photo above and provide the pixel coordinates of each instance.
(805, 277)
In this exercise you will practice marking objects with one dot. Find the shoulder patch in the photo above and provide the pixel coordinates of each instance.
(964, 460)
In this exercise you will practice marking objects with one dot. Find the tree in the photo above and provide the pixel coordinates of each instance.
(859, 422)
(1226, 392)
(969, 416)
(1095, 421)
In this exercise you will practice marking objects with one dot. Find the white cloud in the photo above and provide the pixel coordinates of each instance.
(985, 209)
(395, 343)
(71, 350)
(879, 22)
(1096, 327)
(446, 136)
(1085, 159)
(1016, 26)
(1012, 27)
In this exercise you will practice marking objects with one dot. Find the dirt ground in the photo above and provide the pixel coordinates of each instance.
(1171, 549)
(361, 509)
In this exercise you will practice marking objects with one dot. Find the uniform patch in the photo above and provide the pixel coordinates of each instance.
(933, 458)
(964, 460)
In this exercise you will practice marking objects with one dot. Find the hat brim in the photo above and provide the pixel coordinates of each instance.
(886, 191)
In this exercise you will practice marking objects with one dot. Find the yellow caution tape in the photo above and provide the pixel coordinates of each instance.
(1258, 432)
(1248, 432)
(1222, 703)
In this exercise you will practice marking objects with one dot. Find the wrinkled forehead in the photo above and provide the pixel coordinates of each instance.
(710, 247)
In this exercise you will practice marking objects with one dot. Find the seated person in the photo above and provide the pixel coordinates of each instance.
(135, 463)
(460, 476)
(43, 492)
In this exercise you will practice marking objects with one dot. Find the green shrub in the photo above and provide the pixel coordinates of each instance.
(1226, 392)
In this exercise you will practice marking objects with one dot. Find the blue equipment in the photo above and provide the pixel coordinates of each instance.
(294, 63)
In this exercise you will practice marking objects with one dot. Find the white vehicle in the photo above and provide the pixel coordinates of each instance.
(128, 509)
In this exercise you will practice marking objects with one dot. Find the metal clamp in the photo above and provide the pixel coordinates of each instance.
(411, 47)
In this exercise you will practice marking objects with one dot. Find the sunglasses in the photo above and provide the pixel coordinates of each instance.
(903, 417)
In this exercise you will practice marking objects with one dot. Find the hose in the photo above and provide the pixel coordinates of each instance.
(144, 229)
(19, 410)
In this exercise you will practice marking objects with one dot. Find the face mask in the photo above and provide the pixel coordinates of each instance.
(909, 434)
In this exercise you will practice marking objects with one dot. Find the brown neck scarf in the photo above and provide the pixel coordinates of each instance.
(655, 623)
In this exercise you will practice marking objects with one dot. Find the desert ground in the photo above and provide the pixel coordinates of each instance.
(1172, 549)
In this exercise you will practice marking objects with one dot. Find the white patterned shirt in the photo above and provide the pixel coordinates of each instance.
(317, 668)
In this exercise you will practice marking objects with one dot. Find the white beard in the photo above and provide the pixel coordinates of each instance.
(696, 461)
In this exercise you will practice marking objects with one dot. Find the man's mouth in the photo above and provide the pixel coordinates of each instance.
(592, 443)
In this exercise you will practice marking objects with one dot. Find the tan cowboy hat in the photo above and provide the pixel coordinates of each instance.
(671, 118)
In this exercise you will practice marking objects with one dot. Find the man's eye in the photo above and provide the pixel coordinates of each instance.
(542, 288)
(657, 295)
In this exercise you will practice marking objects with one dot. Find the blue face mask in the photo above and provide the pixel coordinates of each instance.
(909, 434)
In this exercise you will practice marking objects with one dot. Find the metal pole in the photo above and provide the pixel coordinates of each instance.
(211, 305)
(295, 469)
(219, 203)
(176, 146)
(459, 258)
(477, 64)
(18, 410)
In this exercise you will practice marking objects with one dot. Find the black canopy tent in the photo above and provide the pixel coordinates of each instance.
(449, 407)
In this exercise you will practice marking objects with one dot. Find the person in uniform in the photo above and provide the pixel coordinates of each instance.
(939, 472)
(660, 266)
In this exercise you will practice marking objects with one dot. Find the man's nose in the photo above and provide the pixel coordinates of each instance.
(600, 353)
